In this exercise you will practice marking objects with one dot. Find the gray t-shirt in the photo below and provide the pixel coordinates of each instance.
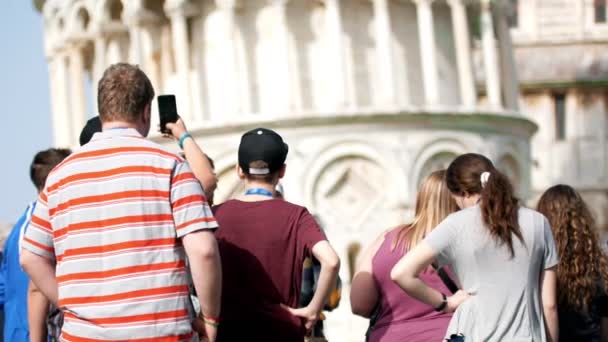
(505, 303)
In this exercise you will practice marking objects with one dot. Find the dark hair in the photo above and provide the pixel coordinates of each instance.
(582, 263)
(123, 93)
(499, 206)
(44, 162)
(269, 178)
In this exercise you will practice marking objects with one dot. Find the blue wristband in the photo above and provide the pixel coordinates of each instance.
(182, 139)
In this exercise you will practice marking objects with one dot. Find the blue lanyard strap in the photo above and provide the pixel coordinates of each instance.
(259, 191)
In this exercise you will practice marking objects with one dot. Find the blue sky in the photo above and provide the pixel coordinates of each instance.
(24, 99)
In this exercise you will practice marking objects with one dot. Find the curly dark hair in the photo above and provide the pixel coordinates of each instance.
(583, 265)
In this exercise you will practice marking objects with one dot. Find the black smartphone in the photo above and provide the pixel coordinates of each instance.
(167, 111)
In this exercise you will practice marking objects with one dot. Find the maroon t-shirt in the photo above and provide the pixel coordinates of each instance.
(262, 245)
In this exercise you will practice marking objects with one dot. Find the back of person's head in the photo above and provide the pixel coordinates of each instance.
(44, 162)
(262, 155)
(583, 265)
(92, 126)
(471, 174)
(124, 91)
(433, 204)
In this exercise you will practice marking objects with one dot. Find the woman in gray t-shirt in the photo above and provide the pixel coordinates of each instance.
(502, 255)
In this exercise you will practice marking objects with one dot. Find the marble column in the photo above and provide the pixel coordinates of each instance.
(135, 46)
(59, 97)
(236, 99)
(284, 86)
(426, 36)
(78, 105)
(464, 60)
(490, 57)
(99, 65)
(179, 12)
(151, 53)
(337, 74)
(384, 50)
(507, 63)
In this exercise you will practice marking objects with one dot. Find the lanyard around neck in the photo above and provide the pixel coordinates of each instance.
(259, 191)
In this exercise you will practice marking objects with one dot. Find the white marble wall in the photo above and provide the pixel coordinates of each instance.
(567, 31)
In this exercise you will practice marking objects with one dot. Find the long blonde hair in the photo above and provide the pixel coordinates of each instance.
(433, 204)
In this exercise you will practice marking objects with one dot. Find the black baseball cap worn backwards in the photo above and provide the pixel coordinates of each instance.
(262, 144)
(93, 126)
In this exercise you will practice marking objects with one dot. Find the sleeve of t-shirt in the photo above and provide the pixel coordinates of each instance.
(441, 240)
(309, 231)
(550, 257)
(38, 237)
(190, 208)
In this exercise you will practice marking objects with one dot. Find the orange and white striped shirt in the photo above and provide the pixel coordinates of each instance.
(112, 215)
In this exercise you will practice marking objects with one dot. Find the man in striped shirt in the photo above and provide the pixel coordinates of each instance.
(112, 228)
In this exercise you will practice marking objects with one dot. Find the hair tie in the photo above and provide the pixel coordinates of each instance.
(484, 178)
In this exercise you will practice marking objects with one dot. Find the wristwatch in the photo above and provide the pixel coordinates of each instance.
(443, 304)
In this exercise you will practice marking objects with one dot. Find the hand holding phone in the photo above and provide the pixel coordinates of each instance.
(167, 111)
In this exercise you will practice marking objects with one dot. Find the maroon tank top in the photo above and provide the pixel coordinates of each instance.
(401, 317)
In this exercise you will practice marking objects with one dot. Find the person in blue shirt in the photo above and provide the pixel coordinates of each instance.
(13, 281)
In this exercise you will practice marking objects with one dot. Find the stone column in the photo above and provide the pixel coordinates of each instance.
(61, 106)
(150, 46)
(336, 75)
(426, 36)
(284, 87)
(135, 46)
(235, 90)
(78, 106)
(179, 11)
(489, 55)
(384, 52)
(134, 16)
(507, 63)
(462, 42)
(99, 63)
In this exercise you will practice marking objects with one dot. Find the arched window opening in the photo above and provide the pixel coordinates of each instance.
(83, 19)
(115, 9)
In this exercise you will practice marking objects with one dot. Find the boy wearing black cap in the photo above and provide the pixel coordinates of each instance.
(263, 242)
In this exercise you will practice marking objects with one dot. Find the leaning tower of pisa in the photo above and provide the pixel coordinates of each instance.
(370, 95)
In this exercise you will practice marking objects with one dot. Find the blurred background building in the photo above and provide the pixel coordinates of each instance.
(371, 95)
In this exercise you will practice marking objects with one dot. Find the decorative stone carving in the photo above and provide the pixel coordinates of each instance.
(349, 187)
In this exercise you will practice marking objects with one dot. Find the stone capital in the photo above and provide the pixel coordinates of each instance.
(277, 2)
(456, 3)
(486, 4)
(141, 17)
(183, 8)
(228, 5)
(423, 2)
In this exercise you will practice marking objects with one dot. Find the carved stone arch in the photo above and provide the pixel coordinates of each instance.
(49, 11)
(434, 155)
(347, 182)
(79, 17)
(154, 6)
(109, 10)
(511, 167)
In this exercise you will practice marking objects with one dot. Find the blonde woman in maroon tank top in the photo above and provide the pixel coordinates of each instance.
(399, 316)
